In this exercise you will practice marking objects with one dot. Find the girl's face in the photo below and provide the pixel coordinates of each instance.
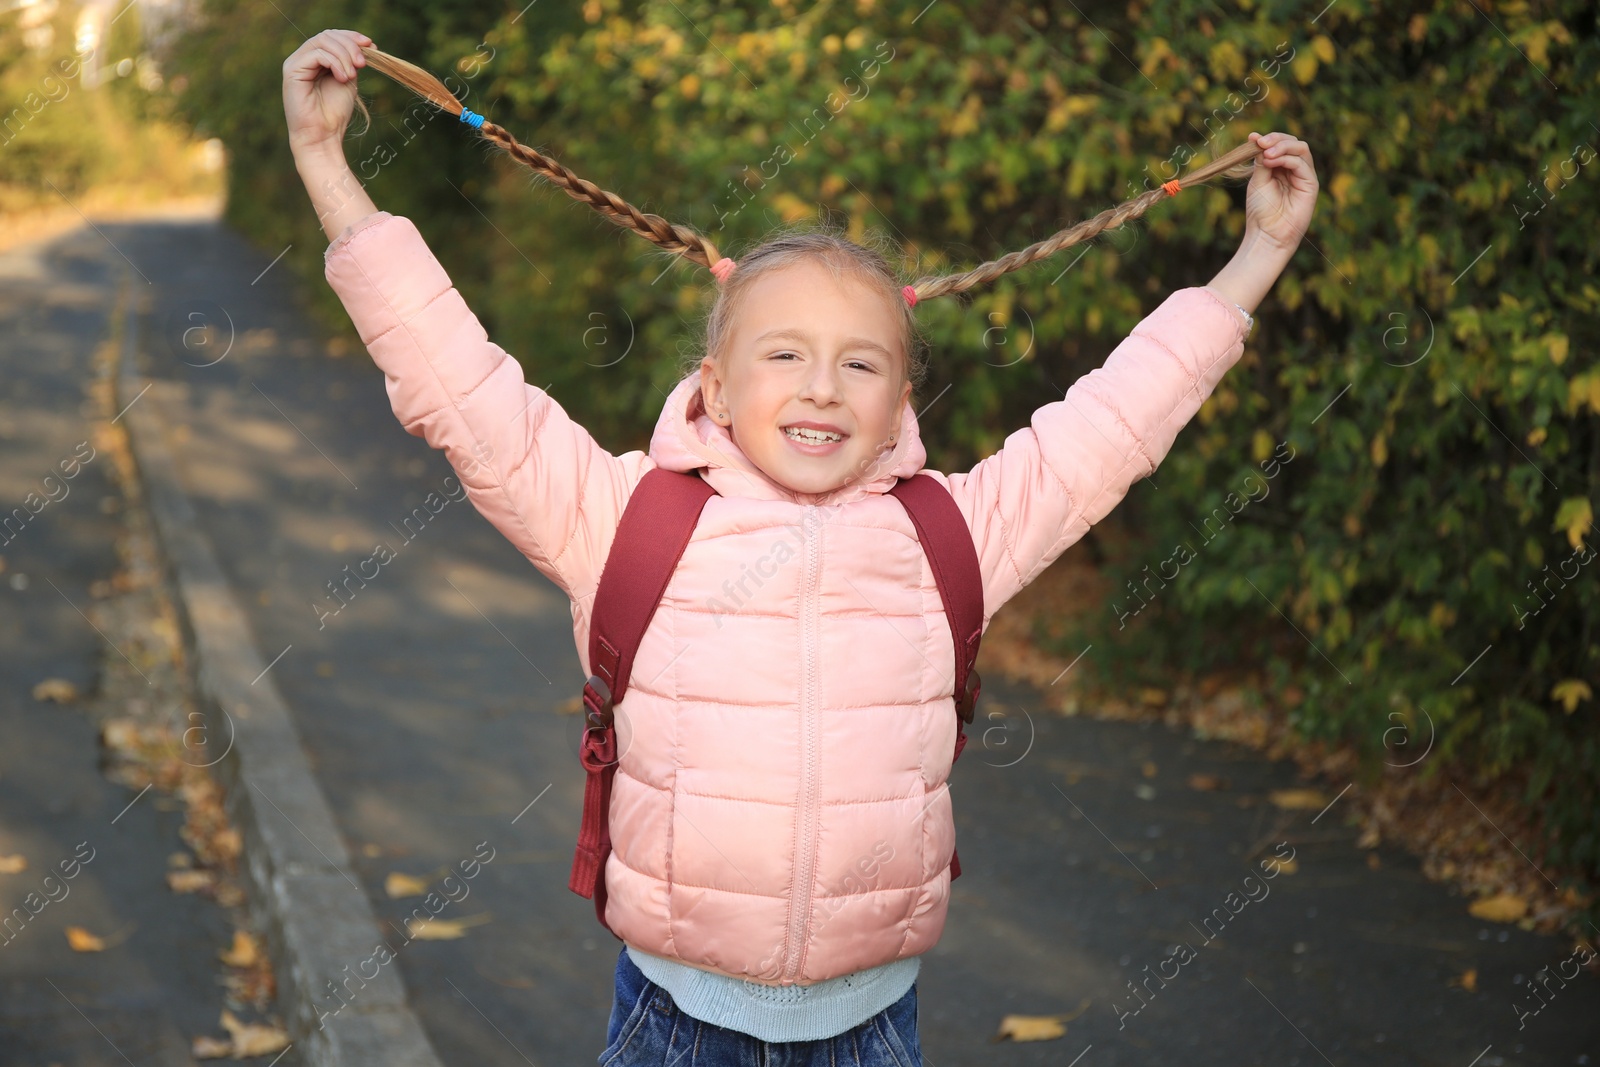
(807, 352)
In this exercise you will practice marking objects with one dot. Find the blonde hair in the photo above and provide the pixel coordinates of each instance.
(822, 242)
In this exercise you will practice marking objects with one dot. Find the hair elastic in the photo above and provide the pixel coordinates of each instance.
(1171, 187)
(911, 296)
(472, 118)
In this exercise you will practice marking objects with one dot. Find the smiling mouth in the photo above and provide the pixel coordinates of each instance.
(812, 437)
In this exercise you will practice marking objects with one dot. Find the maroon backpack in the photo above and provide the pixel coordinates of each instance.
(655, 528)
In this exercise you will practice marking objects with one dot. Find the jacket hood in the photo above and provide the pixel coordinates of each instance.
(687, 439)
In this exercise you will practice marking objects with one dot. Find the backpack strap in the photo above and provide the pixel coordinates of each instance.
(947, 542)
(655, 529)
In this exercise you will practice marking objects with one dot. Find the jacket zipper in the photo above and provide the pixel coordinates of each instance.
(805, 836)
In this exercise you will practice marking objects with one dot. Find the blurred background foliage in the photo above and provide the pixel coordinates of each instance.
(85, 109)
(1410, 441)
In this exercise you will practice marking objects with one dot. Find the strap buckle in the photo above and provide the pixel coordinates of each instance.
(967, 702)
(597, 699)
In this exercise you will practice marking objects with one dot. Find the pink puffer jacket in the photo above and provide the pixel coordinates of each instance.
(780, 811)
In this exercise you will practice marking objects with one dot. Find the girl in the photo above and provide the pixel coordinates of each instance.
(780, 820)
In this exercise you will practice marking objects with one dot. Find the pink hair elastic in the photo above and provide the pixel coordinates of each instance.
(724, 267)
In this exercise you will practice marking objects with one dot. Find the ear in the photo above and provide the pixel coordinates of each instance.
(710, 385)
(900, 408)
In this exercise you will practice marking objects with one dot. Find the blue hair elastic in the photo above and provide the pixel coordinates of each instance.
(472, 119)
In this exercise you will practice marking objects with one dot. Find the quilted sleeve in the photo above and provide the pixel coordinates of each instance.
(1080, 455)
(535, 474)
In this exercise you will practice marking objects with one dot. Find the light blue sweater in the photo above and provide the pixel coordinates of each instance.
(780, 1013)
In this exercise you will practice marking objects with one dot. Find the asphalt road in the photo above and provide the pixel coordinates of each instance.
(155, 985)
(427, 704)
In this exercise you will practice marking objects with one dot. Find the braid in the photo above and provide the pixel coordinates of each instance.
(1236, 164)
(653, 228)
(697, 247)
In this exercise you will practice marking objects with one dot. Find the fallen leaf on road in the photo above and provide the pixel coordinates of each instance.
(1148, 769)
(442, 929)
(13, 864)
(404, 885)
(570, 707)
(246, 950)
(253, 1039)
(1299, 799)
(1500, 908)
(58, 689)
(209, 1048)
(1467, 981)
(1207, 783)
(82, 940)
(1031, 1028)
(1284, 866)
(121, 735)
(191, 880)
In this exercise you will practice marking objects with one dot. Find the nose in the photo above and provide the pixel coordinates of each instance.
(821, 385)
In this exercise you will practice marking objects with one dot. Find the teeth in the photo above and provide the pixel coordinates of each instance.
(813, 436)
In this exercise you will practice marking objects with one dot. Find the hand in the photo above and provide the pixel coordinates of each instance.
(319, 88)
(1282, 194)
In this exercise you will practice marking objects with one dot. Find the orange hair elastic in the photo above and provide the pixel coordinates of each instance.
(1171, 187)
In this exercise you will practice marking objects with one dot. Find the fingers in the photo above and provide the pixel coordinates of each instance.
(337, 50)
(1285, 150)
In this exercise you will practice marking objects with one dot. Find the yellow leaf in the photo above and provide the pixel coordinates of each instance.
(1284, 866)
(1380, 450)
(1340, 185)
(1569, 691)
(442, 929)
(1299, 799)
(689, 85)
(1500, 908)
(246, 950)
(1557, 343)
(1304, 67)
(404, 885)
(1323, 47)
(1576, 517)
(190, 881)
(82, 940)
(1031, 1028)
(253, 1039)
(1227, 61)
(1467, 981)
(13, 864)
(1261, 445)
(1537, 435)
(58, 689)
(205, 1047)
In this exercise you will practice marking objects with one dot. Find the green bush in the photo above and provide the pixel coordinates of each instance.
(1424, 374)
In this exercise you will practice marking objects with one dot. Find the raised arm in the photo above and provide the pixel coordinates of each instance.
(1079, 456)
(536, 475)
(319, 94)
(1050, 482)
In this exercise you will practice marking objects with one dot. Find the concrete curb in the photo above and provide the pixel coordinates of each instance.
(303, 894)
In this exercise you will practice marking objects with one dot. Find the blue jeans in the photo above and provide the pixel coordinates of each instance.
(648, 1030)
